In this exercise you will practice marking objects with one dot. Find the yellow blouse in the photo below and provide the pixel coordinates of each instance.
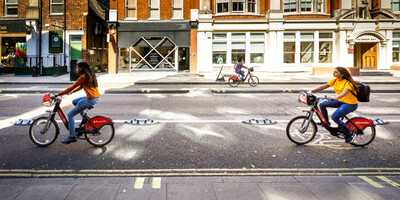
(339, 86)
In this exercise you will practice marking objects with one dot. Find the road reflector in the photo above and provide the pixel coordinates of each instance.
(24, 122)
(379, 122)
(260, 121)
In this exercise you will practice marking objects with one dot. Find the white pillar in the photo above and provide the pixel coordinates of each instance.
(204, 60)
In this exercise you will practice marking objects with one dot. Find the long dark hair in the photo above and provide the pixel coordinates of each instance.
(347, 76)
(90, 76)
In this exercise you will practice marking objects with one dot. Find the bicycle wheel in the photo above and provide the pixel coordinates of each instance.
(233, 83)
(101, 137)
(42, 136)
(365, 136)
(296, 132)
(253, 81)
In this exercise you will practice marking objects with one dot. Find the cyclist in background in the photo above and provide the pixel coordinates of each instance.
(88, 81)
(238, 68)
(344, 100)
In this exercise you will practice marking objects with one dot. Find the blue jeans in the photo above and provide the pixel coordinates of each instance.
(241, 73)
(343, 110)
(80, 104)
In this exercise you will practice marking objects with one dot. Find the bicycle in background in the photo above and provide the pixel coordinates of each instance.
(234, 81)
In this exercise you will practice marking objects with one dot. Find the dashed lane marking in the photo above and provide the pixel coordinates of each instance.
(371, 182)
(139, 182)
(394, 184)
(156, 183)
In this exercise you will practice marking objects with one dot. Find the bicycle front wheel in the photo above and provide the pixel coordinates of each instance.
(298, 132)
(233, 83)
(101, 137)
(253, 81)
(364, 137)
(42, 135)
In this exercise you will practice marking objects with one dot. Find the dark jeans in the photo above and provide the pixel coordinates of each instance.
(343, 109)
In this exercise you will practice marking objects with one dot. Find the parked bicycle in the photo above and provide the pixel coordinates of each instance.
(234, 81)
(302, 129)
(98, 130)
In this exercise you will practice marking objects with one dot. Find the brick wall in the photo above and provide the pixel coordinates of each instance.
(22, 6)
(74, 13)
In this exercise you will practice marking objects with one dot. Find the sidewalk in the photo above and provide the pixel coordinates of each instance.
(193, 188)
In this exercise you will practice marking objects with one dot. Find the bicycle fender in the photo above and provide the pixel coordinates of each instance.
(361, 122)
(235, 78)
(98, 121)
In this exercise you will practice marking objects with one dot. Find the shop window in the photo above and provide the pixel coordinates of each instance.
(219, 48)
(325, 47)
(306, 5)
(11, 8)
(130, 9)
(306, 47)
(290, 5)
(13, 51)
(177, 9)
(396, 47)
(395, 5)
(56, 7)
(238, 46)
(257, 47)
(154, 9)
(289, 47)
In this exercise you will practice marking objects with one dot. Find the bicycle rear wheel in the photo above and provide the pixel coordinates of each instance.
(253, 81)
(42, 136)
(101, 137)
(365, 136)
(297, 132)
(233, 83)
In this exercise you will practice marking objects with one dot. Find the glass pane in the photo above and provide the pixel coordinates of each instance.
(11, 1)
(131, 2)
(178, 13)
(236, 56)
(260, 36)
(289, 36)
(257, 47)
(57, 9)
(154, 14)
(288, 57)
(238, 36)
(257, 58)
(306, 35)
(219, 36)
(325, 46)
(396, 34)
(325, 58)
(306, 46)
(12, 10)
(396, 56)
(57, 1)
(325, 35)
(178, 3)
(289, 47)
(219, 57)
(219, 46)
(76, 38)
(238, 46)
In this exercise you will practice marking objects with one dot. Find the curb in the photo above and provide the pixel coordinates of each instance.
(233, 91)
(261, 83)
(37, 83)
(147, 91)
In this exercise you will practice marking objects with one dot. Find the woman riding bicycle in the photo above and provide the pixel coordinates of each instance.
(345, 101)
(88, 81)
(238, 68)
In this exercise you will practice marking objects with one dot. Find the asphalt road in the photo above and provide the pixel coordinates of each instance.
(198, 130)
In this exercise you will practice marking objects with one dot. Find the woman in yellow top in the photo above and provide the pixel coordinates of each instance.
(88, 81)
(344, 100)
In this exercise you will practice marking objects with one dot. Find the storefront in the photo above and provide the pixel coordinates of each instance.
(12, 45)
(151, 46)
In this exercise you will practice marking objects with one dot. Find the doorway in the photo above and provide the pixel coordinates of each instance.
(366, 56)
(184, 59)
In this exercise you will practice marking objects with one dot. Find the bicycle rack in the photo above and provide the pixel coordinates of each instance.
(260, 121)
(141, 122)
(24, 122)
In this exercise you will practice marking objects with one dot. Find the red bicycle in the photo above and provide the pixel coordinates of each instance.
(98, 130)
(234, 81)
(302, 129)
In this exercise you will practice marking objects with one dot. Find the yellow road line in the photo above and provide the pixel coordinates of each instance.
(370, 181)
(139, 183)
(388, 181)
(156, 184)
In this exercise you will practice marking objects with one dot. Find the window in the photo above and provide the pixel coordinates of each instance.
(154, 9)
(238, 46)
(306, 5)
(306, 47)
(130, 9)
(177, 8)
(395, 5)
(290, 5)
(320, 6)
(396, 46)
(325, 47)
(222, 6)
(257, 47)
(238, 5)
(11, 8)
(56, 7)
(289, 47)
(219, 48)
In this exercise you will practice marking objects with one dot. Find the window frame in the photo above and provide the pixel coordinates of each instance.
(254, 40)
(297, 7)
(331, 51)
(392, 2)
(322, 6)
(230, 3)
(238, 40)
(6, 5)
(132, 7)
(51, 7)
(220, 40)
(151, 7)
(173, 8)
(307, 2)
(396, 39)
(312, 46)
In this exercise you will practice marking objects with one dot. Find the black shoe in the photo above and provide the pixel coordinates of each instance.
(351, 137)
(69, 140)
(320, 124)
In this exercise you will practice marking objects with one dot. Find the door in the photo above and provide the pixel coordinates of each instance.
(184, 59)
(369, 56)
(76, 55)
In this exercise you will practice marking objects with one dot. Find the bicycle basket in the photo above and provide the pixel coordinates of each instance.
(46, 100)
(251, 69)
(307, 98)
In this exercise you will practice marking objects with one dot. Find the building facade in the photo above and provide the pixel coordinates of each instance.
(152, 35)
(52, 33)
(298, 35)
